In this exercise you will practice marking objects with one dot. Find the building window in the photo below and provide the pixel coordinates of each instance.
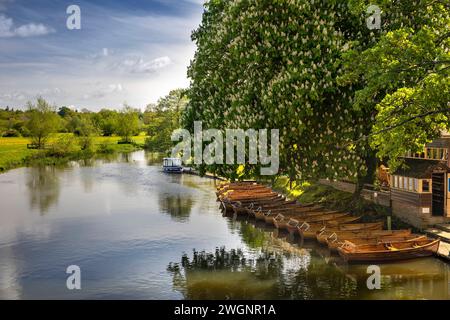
(425, 185)
(429, 153)
(411, 184)
(441, 154)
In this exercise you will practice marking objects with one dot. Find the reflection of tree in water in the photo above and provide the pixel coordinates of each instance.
(178, 206)
(268, 274)
(43, 186)
(252, 236)
(318, 281)
(226, 274)
(154, 158)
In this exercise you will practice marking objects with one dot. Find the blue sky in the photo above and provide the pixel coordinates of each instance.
(130, 51)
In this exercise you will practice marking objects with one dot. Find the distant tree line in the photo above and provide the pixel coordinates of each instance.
(41, 119)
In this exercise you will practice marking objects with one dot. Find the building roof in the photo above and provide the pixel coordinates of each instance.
(442, 142)
(421, 168)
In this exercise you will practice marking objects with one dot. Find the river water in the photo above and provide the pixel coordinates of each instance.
(137, 233)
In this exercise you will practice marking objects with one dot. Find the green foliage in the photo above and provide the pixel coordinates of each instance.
(105, 121)
(63, 146)
(162, 119)
(315, 71)
(405, 78)
(263, 64)
(12, 123)
(105, 148)
(11, 133)
(43, 121)
(127, 124)
(65, 112)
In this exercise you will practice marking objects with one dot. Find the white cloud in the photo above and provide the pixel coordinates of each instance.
(13, 96)
(139, 65)
(24, 96)
(8, 29)
(104, 53)
(138, 60)
(103, 91)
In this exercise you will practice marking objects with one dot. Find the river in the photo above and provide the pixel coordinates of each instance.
(137, 233)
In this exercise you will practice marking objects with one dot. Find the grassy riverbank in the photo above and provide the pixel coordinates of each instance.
(14, 152)
(335, 199)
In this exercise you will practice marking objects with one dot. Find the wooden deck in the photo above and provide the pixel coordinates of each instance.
(442, 232)
(444, 251)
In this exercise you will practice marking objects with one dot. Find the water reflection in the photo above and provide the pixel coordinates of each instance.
(117, 220)
(271, 266)
(44, 187)
(178, 206)
(266, 274)
(226, 274)
(154, 158)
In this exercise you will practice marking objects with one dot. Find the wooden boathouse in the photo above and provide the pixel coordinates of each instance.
(420, 190)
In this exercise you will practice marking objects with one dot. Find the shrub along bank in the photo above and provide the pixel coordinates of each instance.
(61, 149)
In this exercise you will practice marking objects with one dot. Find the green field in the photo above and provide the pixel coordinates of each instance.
(14, 152)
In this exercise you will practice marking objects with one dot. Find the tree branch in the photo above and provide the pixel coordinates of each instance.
(392, 127)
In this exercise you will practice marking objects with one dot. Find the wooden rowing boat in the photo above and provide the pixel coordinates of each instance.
(260, 197)
(269, 218)
(309, 231)
(281, 221)
(238, 185)
(240, 189)
(264, 202)
(323, 235)
(332, 223)
(268, 215)
(297, 210)
(246, 196)
(241, 184)
(334, 244)
(386, 252)
(245, 207)
(262, 211)
(253, 207)
(228, 204)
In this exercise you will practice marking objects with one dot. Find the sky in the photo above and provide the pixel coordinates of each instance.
(132, 51)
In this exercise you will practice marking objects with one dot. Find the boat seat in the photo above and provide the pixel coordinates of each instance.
(390, 247)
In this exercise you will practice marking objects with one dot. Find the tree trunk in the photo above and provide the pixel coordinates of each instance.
(371, 162)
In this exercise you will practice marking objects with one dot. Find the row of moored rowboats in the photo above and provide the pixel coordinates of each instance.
(340, 231)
